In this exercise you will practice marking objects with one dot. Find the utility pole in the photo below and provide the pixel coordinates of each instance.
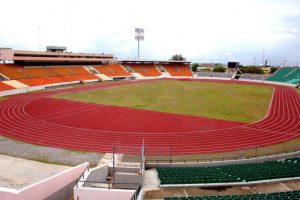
(263, 57)
(39, 38)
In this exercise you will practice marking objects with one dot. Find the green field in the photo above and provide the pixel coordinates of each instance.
(234, 102)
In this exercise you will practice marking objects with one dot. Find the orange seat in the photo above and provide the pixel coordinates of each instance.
(4, 86)
(145, 69)
(13, 71)
(178, 69)
(112, 70)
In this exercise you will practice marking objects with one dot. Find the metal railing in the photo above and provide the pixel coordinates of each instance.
(171, 160)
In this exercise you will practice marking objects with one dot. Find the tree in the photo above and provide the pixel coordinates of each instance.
(273, 69)
(251, 70)
(219, 69)
(195, 67)
(178, 57)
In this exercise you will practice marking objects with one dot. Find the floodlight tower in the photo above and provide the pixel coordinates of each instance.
(139, 36)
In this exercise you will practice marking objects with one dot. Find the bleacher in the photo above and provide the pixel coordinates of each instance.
(13, 71)
(230, 173)
(286, 75)
(292, 195)
(2, 78)
(4, 86)
(214, 74)
(254, 76)
(33, 76)
(61, 71)
(112, 70)
(145, 69)
(178, 70)
(38, 72)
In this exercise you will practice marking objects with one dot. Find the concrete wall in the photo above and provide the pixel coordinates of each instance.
(6, 54)
(47, 187)
(124, 169)
(97, 174)
(128, 178)
(228, 79)
(269, 82)
(8, 194)
(63, 194)
(20, 90)
(99, 193)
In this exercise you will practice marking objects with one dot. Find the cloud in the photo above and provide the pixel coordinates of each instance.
(199, 30)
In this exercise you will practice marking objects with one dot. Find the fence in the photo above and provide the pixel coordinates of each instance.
(234, 159)
(21, 90)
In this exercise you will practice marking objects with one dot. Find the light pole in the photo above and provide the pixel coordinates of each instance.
(139, 36)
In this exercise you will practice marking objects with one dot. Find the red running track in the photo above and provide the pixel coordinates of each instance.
(281, 123)
(120, 119)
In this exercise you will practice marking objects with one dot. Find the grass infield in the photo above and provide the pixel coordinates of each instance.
(234, 102)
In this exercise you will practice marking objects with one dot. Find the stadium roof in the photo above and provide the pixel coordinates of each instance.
(155, 61)
(28, 57)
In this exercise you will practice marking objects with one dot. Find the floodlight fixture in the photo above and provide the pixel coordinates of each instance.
(139, 36)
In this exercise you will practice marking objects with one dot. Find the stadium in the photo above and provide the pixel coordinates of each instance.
(150, 100)
(163, 131)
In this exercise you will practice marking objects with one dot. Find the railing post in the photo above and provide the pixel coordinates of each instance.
(170, 154)
(113, 175)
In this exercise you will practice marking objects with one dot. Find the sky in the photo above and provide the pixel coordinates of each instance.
(201, 30)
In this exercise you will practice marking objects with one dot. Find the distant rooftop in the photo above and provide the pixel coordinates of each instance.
(54, 54)
(56, 48)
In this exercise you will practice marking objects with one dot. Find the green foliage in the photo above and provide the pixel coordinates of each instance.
(195, 66)
(206, 70)
(219, 68)
(178, 57)
(251, 70)
(213, 100)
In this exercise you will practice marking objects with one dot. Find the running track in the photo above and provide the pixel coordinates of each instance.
(282, 123)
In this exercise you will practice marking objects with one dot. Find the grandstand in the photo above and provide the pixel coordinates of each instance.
(33, 76)
(286, 75)
(230, 173)
(271, 196)
(54, 67)
(178, 69)
(13, 71)
(112, 70)
(145, 69)
(254, 76)
(214, 74)
(4, 86)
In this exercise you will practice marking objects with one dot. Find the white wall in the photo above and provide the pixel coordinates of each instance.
(21, 90)
(46, 187)
(100, 193)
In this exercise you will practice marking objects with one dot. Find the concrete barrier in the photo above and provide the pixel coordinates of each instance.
(21, 90)
(46, 187)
